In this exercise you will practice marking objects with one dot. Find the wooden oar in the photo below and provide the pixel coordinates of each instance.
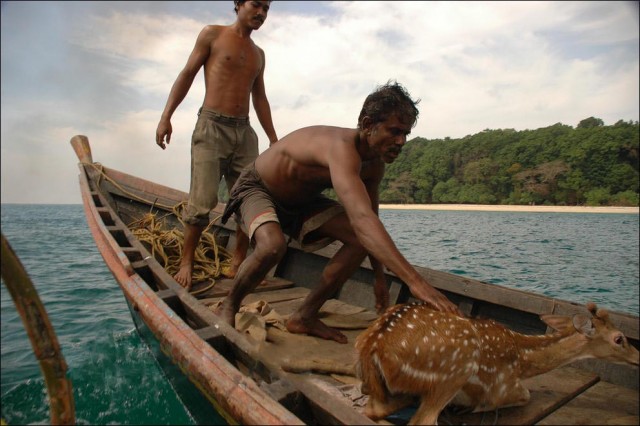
(43, 338)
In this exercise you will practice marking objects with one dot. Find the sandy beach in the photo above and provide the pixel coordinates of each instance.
(504, 208)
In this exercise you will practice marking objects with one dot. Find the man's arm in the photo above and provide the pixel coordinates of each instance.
(183, 83)
(380, 287)
(344, 166)
(261, 104)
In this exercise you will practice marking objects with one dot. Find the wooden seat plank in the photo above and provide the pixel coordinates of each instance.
(602, 404)
(270, 296)
(223, 286)
(277, 296)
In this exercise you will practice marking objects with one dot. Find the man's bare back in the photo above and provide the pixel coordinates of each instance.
(297, 167)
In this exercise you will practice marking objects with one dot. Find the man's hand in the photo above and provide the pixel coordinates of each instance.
(425, 292)
(164, 130)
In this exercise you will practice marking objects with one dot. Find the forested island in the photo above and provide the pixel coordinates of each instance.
(591, 164)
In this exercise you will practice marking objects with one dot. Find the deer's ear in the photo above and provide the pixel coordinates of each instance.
(583, 325)
(557, 322)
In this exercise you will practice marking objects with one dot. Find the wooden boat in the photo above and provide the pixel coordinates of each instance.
(262, 375)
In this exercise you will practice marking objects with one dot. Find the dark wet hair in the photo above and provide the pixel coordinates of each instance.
(386, 100)
(237, 3)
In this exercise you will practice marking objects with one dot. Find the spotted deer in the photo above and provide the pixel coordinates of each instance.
(413, 350)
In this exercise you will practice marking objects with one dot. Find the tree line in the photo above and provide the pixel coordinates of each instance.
(591, 164)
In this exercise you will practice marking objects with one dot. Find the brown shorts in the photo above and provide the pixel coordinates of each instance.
(254, 206)
(220, 146)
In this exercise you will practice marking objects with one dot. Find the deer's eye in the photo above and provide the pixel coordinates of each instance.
(618, 340)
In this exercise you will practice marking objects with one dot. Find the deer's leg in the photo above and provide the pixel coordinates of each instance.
(379, 409)
(516, 396)
(432, 404)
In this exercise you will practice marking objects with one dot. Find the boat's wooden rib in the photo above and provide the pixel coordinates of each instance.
(263, 375)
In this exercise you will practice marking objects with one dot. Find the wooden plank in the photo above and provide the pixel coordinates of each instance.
(620, 374)
(548, 392)
(334, 313)
(223, 286)
(602, 404)
(269, 296)
(284, 346)
(328, 408)
(278, 296)
(471, 288)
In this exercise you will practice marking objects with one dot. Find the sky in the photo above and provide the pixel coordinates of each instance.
(104, 70)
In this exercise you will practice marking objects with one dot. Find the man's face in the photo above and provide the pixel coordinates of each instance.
(388, 137)
(254, 13)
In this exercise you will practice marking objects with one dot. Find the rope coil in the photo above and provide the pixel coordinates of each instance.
(210, 260)
(165, 244)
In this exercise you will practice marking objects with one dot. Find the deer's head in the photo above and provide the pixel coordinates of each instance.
(603, 339)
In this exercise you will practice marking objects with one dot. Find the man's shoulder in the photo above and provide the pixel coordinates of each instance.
(212, 30)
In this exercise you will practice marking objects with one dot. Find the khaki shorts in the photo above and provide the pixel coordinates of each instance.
(220, 146)
(254, 206)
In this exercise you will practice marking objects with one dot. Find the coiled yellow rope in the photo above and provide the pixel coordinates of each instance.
(210, 260)
(166, 244)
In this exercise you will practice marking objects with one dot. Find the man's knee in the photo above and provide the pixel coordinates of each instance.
(271, 252)
(270, 243)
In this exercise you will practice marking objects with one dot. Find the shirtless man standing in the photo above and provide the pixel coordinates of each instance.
(223, 142)
(281, 192)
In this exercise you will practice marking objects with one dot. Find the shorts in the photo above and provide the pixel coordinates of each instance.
(220, 146)
(253, 206)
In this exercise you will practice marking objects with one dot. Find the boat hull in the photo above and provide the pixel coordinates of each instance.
(245, 382)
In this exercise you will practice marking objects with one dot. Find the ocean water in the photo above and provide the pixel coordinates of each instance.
(115, 378)
(578, 257)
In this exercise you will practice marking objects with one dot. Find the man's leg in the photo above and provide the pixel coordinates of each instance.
(192, 235)
(338, 270)
(270, 246)
(341, 266)
(245, 153)
(239, 252)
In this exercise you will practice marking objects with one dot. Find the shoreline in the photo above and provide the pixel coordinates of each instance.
(511, 208)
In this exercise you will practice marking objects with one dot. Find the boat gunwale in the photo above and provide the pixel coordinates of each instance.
(513, 298)
(232, 391)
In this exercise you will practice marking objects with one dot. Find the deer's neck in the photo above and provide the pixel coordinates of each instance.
(542, 353)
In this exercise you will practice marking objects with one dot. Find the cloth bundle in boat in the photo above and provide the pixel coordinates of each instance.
(253, 319)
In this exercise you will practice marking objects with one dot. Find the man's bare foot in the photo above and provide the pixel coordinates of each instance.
(226, 312)
(183, 276)
(231, 271)
(314, 327)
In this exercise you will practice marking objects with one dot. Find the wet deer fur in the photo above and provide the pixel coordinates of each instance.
(413, 350)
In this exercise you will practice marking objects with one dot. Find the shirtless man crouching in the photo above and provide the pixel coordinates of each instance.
(281, 193)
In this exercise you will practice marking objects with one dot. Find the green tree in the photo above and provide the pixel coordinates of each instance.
(598, 196)
(554, 165)
(590, 122)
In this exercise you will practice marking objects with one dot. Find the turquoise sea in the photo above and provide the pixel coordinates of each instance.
(116, 380)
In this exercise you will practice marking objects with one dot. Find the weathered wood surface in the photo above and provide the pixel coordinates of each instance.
(548, 392)
(223, 285)
(602, 404)
(307, 355)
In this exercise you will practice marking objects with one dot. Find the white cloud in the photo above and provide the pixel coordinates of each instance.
(155, 52)
(475, 65)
